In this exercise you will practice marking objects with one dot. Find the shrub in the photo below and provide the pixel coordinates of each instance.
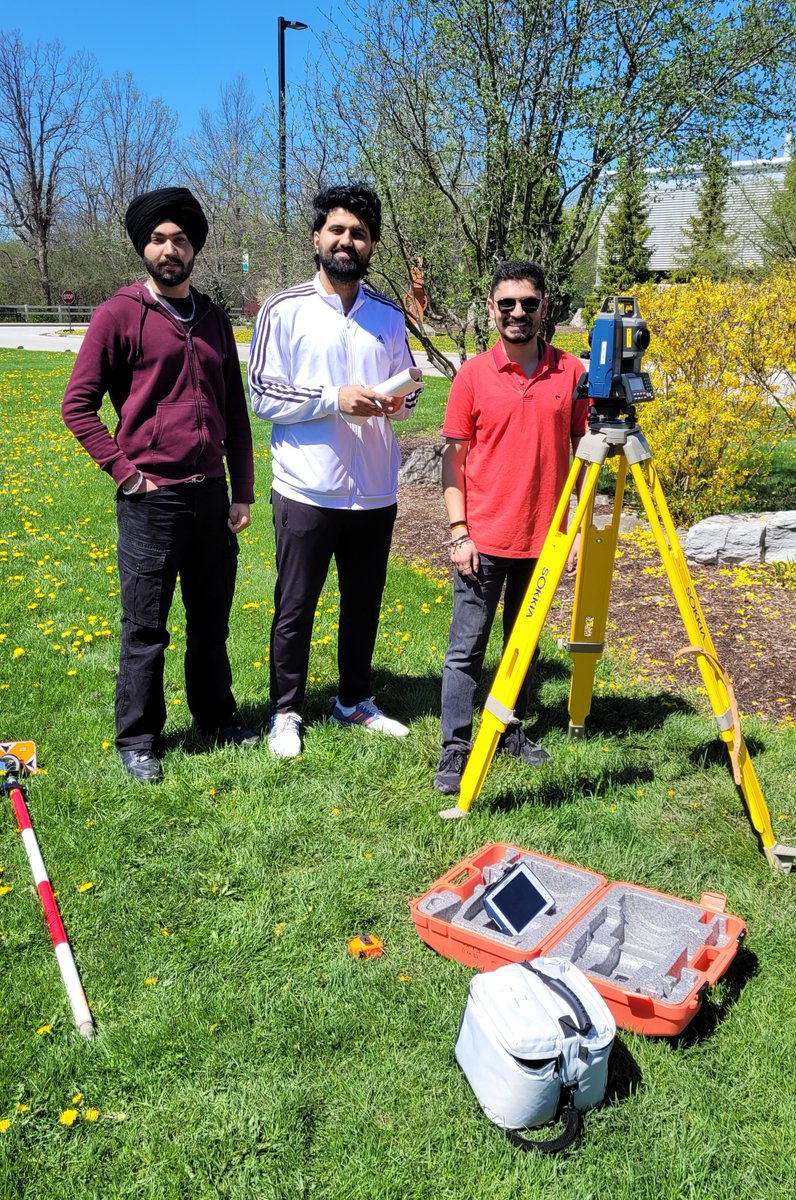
(723, 364)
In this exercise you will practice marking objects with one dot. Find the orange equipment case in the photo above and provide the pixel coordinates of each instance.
(652, 957)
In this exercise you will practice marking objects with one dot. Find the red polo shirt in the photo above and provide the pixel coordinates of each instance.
(520, 433)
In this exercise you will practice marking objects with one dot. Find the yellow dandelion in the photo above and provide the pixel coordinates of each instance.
(44, 1029)
(68, 1116)
(23, 1108)
(85, 887)
(18, 652)
(78, 1096)
(279, 928)
(6, 888)
(150, 981)
(336, 812)
(5, 1125)
(91, 1114)
(404, 978)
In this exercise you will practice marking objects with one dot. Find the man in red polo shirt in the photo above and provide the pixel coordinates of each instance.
(512, 421)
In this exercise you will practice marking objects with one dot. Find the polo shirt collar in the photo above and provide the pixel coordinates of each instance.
(502, 362)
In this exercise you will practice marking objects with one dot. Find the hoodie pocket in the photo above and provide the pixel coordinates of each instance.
(176, 431)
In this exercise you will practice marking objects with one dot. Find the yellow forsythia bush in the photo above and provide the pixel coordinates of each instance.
(723, 364)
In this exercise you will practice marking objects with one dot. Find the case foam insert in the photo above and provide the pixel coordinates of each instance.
(643, 943)
(569, 885)
(640, 942)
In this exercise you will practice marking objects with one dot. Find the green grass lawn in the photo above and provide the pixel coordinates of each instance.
(241, 1052)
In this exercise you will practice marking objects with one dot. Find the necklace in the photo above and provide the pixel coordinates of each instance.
(162, 300)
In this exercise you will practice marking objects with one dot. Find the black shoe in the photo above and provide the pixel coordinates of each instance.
(451, 766)
(142, 765)
(233, 734)
(515, 742)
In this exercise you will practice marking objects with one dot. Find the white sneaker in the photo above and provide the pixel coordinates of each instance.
(367, 716)
(284, 739)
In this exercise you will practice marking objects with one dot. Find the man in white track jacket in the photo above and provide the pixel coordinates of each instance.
(319, 352)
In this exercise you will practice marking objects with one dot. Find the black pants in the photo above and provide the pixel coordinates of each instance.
(307, 538)
(175, 530)
(475, 603)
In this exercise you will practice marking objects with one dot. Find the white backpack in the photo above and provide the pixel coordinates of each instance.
(534, 1044)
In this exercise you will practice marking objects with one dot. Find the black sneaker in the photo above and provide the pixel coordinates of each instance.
(233, 734)
(451, 766)
(142, 765)
(516, 743)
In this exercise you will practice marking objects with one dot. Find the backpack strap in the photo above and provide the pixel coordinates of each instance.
(573, 1123)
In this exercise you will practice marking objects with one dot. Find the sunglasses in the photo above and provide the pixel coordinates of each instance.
(528, 304)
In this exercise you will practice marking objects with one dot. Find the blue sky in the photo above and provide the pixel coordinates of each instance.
(181, 53)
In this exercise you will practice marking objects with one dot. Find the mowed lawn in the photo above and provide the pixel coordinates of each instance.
(241, 1052)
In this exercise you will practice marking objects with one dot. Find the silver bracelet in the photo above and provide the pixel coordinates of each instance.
(139, 482)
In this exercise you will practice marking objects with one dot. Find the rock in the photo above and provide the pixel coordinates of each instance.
(780, 537)
(745, 538)
(423, 465)
(744, 543)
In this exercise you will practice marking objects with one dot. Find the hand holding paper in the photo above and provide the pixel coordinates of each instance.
(355, 401)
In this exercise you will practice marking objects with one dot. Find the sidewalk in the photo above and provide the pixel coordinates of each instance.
(50, 337)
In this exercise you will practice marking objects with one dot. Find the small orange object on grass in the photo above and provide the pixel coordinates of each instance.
(365, 945)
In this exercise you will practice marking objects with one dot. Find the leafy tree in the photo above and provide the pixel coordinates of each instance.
(779, 223)
(624, 255)
(707, 250)
(227, 165)
(483, 123)
(44, 115)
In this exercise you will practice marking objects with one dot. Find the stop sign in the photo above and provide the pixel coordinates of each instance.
(68, 297)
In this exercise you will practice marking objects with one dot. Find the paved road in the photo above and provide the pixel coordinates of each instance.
(50, 337)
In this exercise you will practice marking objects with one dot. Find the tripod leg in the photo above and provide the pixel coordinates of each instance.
(590, 607)
(717, 684)
(499, 707)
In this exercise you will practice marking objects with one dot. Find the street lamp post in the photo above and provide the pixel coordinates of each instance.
(282, 25)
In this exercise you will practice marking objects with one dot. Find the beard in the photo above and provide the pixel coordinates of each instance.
(169, 273)
(518, 333)
(344, 266)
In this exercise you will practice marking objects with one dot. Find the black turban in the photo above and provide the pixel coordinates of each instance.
(175, 204)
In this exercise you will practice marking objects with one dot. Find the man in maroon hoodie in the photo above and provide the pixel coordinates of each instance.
(166, 357)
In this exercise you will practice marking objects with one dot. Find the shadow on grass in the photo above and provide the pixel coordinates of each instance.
(714, 753)
(624, 1074)
(615, 713)
(190, 741)
(716, 1006)
(553, 794)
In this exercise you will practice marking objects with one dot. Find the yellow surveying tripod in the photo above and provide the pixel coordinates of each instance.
(611, 434)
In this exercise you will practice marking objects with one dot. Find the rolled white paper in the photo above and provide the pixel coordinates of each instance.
(402, 384)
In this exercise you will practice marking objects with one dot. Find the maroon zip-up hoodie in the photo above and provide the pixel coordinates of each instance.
(178, 394)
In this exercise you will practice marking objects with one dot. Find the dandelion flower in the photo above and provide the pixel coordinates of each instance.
(68, 1116)
(91, 1114)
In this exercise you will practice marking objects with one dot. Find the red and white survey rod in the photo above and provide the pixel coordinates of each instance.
(63, 951)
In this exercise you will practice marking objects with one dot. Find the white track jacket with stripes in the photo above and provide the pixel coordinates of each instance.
(304, 349)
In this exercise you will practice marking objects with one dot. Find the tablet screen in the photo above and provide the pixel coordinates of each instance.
(517, 899)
